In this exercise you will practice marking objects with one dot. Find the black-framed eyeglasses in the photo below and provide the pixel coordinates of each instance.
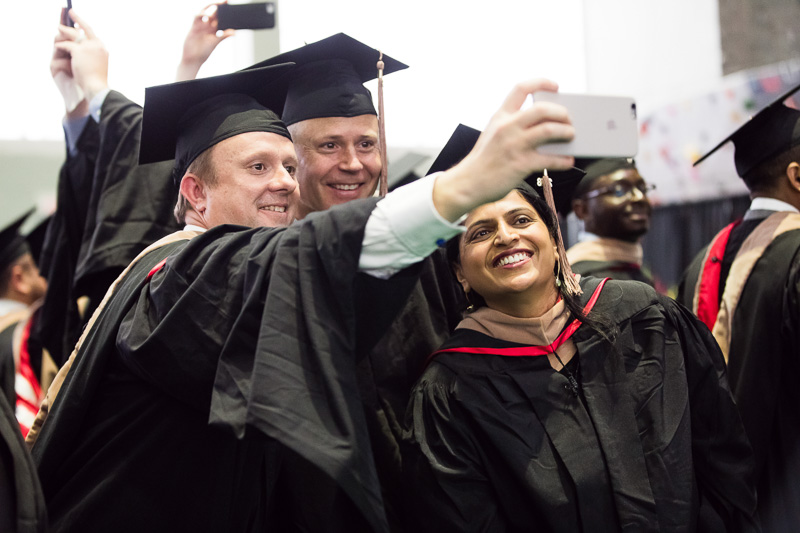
(621, 189)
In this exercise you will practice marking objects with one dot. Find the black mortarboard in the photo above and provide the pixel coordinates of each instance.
(328, 80)
(183, 119)
(768, 133)
(12, 244)
(464, 139)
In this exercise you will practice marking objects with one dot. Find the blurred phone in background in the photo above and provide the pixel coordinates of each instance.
(72, 93)
(246, 16)
(65, 18)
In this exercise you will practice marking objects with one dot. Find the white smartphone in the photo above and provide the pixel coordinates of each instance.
(605, 126)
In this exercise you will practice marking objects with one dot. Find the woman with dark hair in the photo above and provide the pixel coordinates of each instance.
(553, 411)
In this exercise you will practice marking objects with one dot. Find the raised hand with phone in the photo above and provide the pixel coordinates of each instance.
(202, 39)
(87, 58)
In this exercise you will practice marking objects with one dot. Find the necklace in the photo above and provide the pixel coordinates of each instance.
(573, 383)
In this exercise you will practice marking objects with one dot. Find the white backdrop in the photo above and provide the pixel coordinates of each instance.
(464, 56)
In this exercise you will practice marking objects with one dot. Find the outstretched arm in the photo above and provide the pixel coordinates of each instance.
(410, 222)
(506, 152)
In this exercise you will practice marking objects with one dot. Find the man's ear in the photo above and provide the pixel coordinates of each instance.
(16, 281)
(461, 279)
(793, 175)
(580, 208)
(194, 190)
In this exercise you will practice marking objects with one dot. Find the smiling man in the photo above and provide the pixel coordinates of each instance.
(339, 160)
(612, 202)
(333, 120)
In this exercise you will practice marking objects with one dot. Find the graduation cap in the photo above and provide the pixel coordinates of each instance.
(768, 133)
(596, 168)
(558, 196)
(12, 244)
(328, 80)
(464, 139)
(183, 119)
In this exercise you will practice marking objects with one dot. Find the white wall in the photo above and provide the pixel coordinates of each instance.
(657, 52)
(144, 40)
(464, 56)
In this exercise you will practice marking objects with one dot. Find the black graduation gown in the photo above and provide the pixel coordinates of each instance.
(109, 209)
(22, 508)
(253, 331)
(653, 443)
(8, 370)
(388, 373)
(763, 368)
(619, 270)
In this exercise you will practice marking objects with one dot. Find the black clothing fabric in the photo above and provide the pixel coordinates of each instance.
(109, 209)
(388, 373)
(763, 368)
(618, 270)
(653, 441)
(22, 508)
(60, 323)
(8, 367)
(194, 385)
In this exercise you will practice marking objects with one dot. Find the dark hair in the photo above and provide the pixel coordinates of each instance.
(602, 324)
(765, 176)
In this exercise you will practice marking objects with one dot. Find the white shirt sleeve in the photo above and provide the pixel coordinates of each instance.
(403, 229)
(96, 104)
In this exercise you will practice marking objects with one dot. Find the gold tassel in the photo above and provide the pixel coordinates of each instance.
(570, 285)
(384, 187)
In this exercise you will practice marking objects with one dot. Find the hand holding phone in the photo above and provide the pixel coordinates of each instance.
(605, 126)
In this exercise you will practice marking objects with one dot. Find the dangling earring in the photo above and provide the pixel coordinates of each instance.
(558, 275)
(470, 306)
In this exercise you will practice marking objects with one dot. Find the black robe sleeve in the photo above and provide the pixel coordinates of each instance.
(301, 388)
(130, 205)
(109, 209)
(22, 507)
(254, 331)
(59, 321)
(447, 486)
(721, 453)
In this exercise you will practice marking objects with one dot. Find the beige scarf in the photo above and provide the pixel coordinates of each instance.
(605, 249)
(535, 331)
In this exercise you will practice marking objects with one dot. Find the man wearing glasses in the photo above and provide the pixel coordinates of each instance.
(612, 202)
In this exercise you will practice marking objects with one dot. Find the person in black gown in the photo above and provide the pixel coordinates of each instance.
(745, 286)
(218, 376)
(550, 410)
(612, 202)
